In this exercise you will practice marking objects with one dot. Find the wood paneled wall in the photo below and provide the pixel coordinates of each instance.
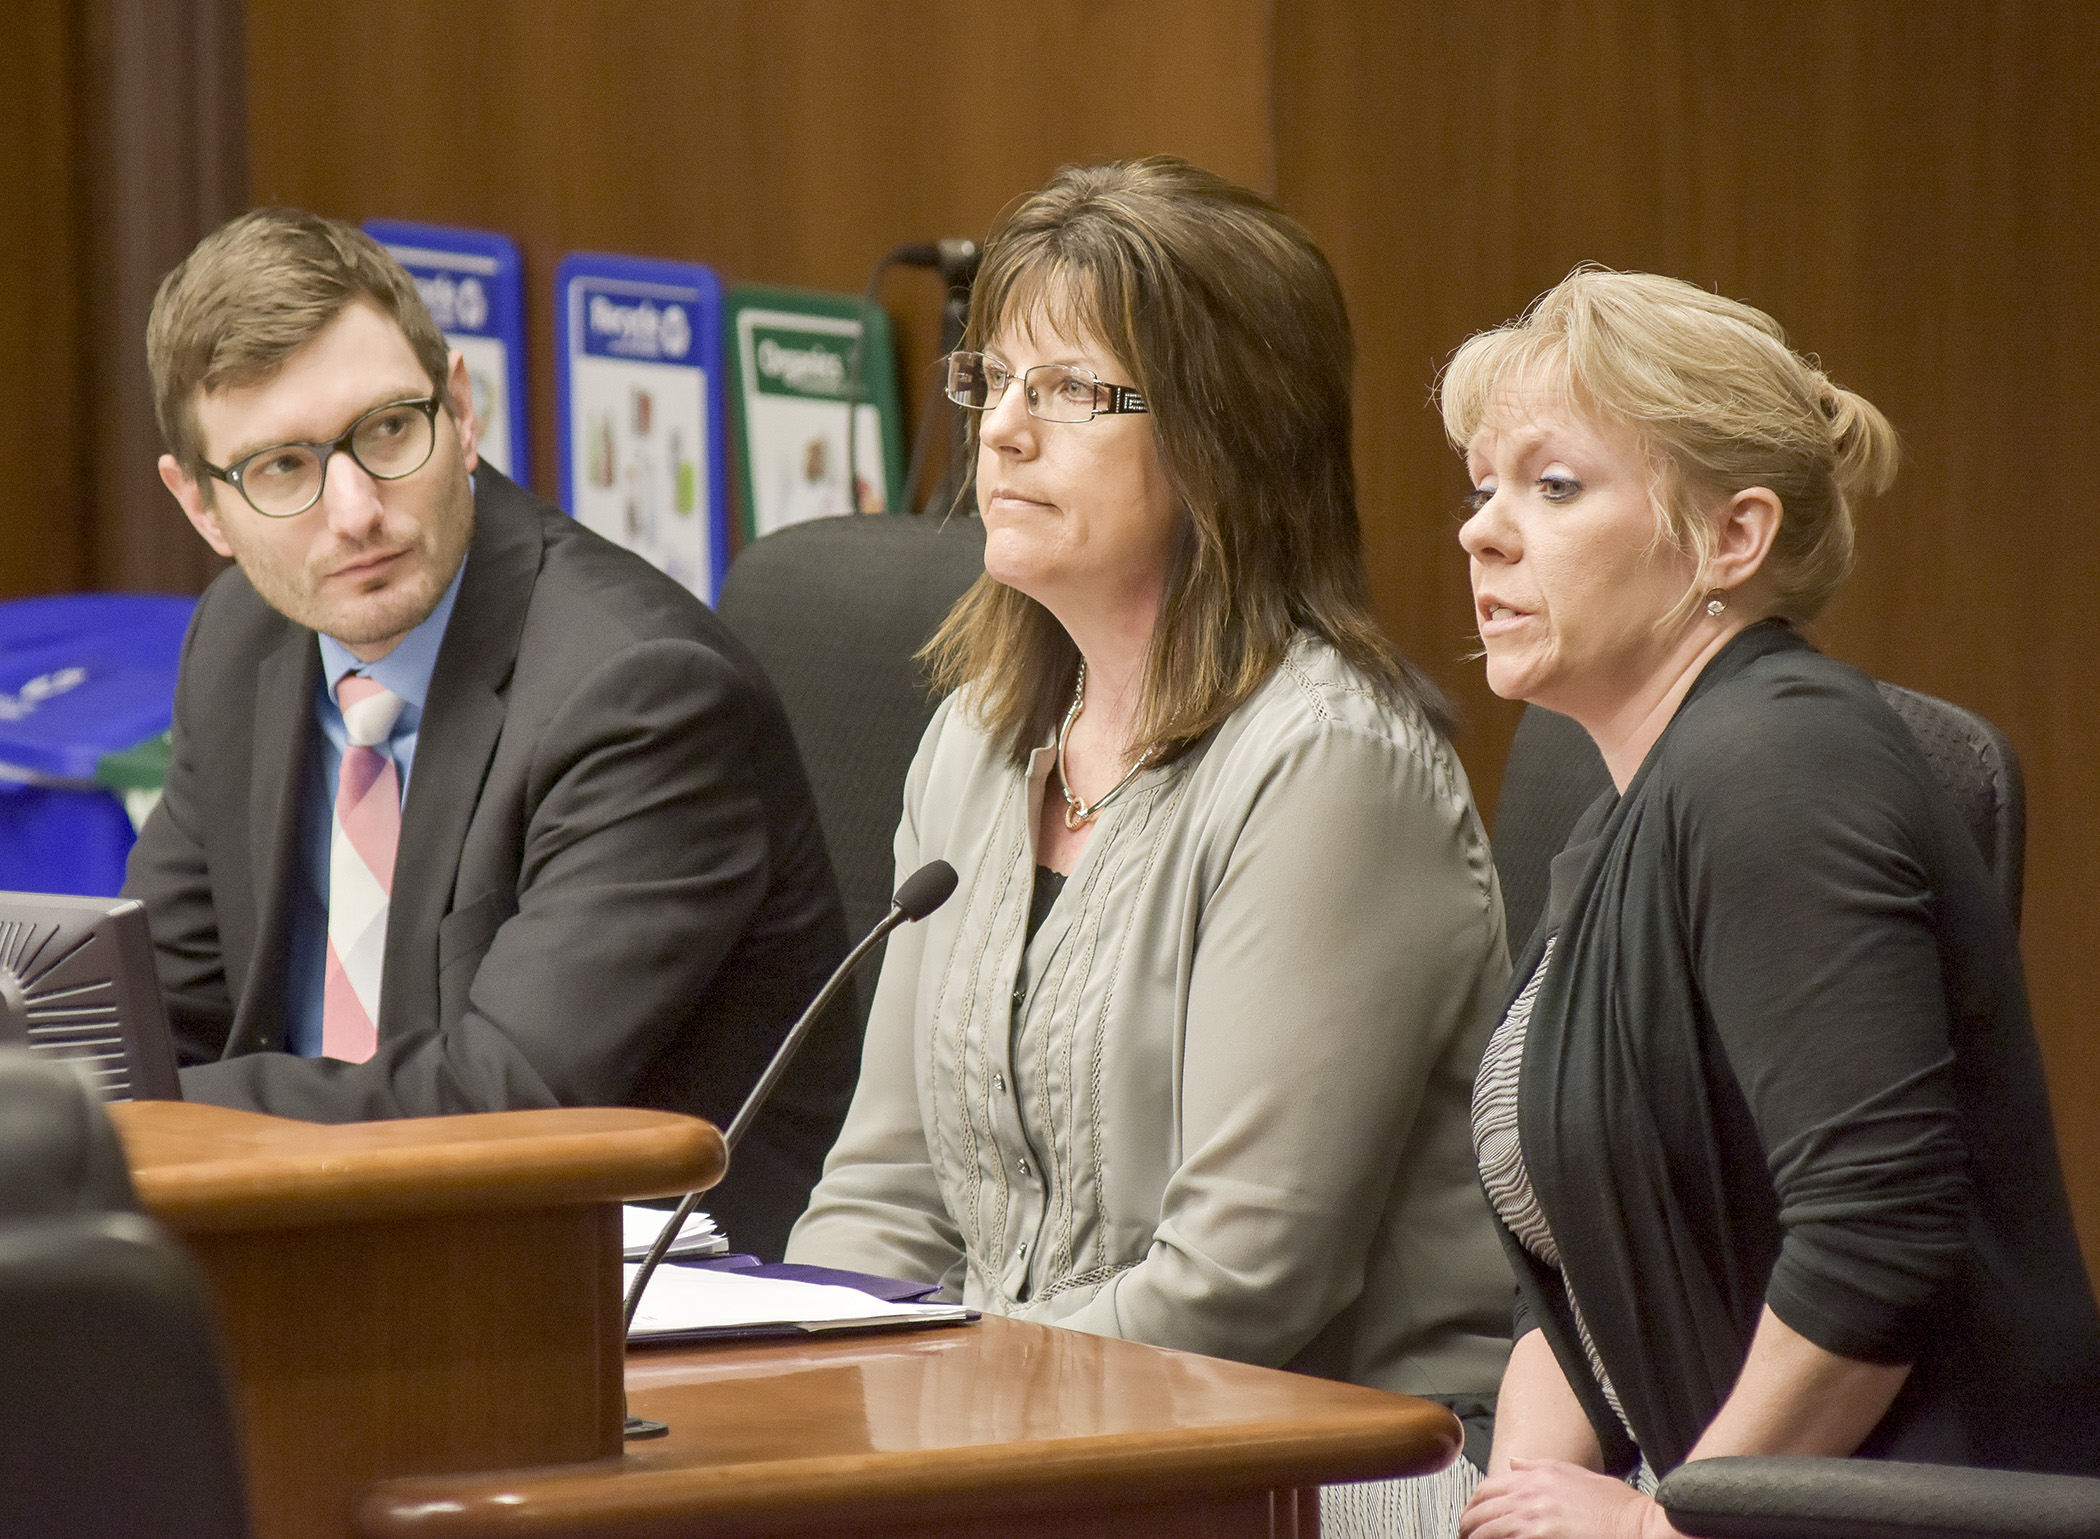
(43, 447)
(161, 158)
(1899, 186)
(122, 140)
(1903, 186)
(783, 142)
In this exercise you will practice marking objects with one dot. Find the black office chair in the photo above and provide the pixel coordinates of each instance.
(1795, 1498)
(1555, 772)
(114, 1417)
(835, 610)
(1982, 773)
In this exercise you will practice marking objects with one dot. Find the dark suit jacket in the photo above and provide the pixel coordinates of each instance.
(611, 885)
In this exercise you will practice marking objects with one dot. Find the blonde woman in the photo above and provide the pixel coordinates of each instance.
(1763, 1125)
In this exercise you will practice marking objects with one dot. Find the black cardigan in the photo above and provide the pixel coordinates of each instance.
(1783, 1056)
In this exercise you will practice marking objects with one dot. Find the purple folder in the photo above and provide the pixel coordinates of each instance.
(894, 1290)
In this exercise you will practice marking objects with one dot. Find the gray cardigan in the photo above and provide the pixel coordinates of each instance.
(1219, 1102)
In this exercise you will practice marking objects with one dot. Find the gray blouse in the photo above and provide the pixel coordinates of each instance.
(1220, 1100)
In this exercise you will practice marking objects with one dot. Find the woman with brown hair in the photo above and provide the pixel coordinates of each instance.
(1187, 1060)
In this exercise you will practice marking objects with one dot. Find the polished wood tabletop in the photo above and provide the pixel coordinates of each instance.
(206, 1168)
(976, 1425)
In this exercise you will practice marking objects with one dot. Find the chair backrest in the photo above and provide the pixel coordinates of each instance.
(835, 611)
(114, 1417)
(1981, 773)
(1555, 771)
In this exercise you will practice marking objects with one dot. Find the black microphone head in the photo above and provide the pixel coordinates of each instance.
(926, 889)
(923, 253)
(958, 260)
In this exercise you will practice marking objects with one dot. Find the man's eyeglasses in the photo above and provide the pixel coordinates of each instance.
(388, 442)
(1055, 392)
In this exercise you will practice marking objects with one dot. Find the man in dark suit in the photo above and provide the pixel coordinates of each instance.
(469, 809)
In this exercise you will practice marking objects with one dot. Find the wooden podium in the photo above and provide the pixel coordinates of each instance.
(422, 1326)
(413, 1297)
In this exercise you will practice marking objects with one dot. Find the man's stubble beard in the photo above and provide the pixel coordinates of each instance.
(364, 620)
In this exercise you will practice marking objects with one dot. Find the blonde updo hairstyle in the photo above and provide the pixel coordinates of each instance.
(1718, 400)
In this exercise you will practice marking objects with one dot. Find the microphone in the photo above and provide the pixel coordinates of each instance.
(953, 256)
(956, 258)
(925, 890)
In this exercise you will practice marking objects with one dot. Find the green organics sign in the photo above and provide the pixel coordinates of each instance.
(806, 365)
(815, 442)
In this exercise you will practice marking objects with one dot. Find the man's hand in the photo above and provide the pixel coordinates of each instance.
(1551, 1499)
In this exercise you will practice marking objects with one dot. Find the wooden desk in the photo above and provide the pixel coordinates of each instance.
(408, 1297)
(1001, 1428)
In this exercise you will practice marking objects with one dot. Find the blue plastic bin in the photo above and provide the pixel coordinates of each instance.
(81, 675)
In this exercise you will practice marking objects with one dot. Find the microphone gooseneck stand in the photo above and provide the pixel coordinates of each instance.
(925, 890)
(956, 260)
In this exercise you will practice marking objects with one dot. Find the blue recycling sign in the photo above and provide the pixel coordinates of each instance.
(640, 411)
(473, 285)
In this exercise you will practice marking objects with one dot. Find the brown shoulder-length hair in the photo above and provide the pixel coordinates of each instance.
(1233, 329)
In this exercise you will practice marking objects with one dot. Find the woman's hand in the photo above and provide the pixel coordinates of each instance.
(1552, 1499)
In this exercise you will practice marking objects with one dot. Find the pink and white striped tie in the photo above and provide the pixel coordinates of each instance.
(360, 871)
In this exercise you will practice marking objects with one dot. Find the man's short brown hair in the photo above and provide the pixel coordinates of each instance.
(254, 292)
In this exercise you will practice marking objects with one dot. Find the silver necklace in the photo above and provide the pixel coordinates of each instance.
(1078, 813)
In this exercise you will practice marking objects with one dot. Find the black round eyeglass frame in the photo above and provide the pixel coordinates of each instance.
(347, 444)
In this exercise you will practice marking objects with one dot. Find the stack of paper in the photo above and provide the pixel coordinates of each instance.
(697, 1301)
(641, 1226)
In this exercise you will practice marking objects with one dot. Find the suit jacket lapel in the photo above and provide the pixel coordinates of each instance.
(462, 720)
(283, 725)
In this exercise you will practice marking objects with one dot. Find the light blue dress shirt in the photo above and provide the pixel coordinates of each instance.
(406, 671)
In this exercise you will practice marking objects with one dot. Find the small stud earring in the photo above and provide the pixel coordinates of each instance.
(1715, 605)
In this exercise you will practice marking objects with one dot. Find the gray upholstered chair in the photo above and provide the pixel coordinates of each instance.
(1555, 772)
(1982, 773)
(114, 1417)
(835, 611)
(1774, 1498)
